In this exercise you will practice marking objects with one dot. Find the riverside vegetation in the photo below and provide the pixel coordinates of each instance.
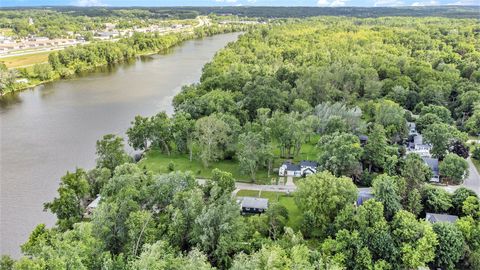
(293, 89)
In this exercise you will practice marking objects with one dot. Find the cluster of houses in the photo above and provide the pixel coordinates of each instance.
(416, 145)
(10, 45)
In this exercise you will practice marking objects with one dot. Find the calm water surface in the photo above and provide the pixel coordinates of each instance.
(53, 128)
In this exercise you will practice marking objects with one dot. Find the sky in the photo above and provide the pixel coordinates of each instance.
(321, 3)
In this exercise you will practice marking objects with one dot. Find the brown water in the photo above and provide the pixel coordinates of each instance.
(53, 128)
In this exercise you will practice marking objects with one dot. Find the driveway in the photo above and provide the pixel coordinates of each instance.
(473, 180)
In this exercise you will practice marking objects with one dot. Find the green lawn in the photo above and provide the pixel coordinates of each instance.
(158, 162)
(294, 215)
(308, 151)
(25, 60)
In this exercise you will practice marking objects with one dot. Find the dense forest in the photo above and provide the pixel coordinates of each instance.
(322, 83)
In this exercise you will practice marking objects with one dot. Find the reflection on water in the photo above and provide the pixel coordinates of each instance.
(52, 128)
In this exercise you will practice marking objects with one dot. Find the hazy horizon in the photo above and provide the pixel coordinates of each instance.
(280, 3)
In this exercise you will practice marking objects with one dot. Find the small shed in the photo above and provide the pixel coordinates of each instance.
(253, 205)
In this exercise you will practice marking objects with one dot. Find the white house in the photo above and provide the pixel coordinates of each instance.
(298, 170)
(417, 146)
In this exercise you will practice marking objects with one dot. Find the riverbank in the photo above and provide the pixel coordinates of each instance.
(66, 117)
(86, 57)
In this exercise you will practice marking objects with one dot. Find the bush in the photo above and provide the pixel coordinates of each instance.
(171, 166)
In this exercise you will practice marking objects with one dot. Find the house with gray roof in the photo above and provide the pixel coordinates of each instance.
(433, 164)
(253, 205)
(434, 218)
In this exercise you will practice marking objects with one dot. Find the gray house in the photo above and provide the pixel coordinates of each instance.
(253, 205)
(434, 218)
(433, 164)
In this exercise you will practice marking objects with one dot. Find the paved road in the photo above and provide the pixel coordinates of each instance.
(472, 182)
(273, 188)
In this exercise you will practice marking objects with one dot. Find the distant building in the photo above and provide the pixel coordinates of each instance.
(305, 168)
(23, 80)
(253, 205)
(434, 218)
(106, 35)
(433, 164)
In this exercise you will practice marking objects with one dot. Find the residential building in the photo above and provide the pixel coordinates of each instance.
(304, 168)
(434, 218)
(433, 164)
(253, 205)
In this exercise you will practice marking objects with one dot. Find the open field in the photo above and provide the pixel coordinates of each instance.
(294, 215)
(158, 162)
(25, 60)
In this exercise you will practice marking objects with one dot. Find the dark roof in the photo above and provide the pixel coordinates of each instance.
(252, 202)
(308, 163)
(433, 218)
(291, 167)
(363, 137)
(432, 163)
(364, 196)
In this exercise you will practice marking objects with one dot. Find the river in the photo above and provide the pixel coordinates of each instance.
(53, 128)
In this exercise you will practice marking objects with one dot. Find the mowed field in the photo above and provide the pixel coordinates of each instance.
(25, 60)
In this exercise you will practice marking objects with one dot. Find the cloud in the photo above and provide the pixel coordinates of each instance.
(89, 3)
(465, 3)
(425, 3)
(334, 3)
(226, 1)
(338, 3)
(383, 3)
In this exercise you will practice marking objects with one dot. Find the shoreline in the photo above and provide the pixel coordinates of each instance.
(57, 77)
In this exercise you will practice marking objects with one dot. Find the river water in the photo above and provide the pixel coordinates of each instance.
(53, 128)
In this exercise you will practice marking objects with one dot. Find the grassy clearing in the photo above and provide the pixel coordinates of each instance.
(25, 60)
(158, 162)
(294, 215)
